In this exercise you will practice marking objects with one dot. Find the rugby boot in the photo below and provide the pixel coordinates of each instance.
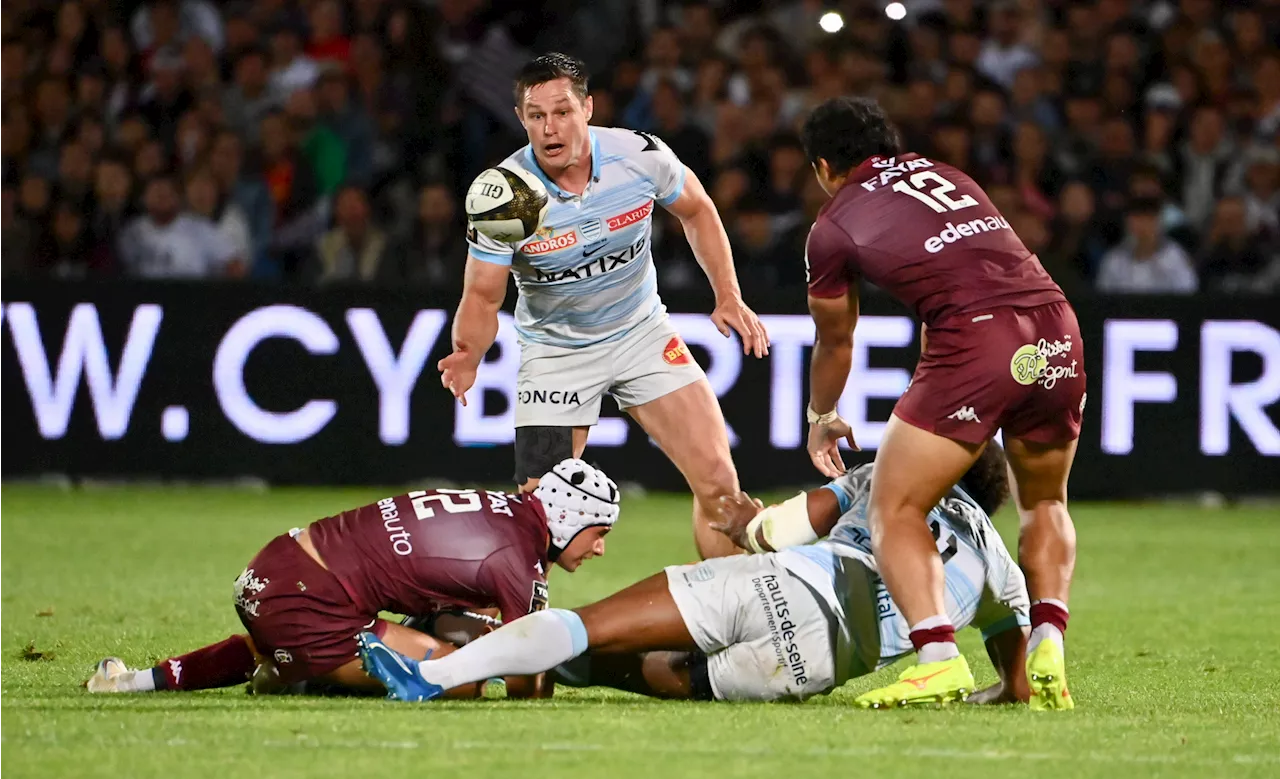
(942, 682)
(112, 675)
(1047, 675)
(399, 674)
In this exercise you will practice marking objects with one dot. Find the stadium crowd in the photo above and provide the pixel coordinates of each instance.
(1133, 144)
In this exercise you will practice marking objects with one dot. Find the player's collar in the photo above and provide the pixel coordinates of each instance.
(531, 162)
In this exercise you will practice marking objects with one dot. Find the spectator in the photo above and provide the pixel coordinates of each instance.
(1077, 241)
(300, 212)
(17, 237)
(1035, 175)
(323, 149)
(1003, 55)
(351, 123)
(1202, 165)
(689, 143)
(355, 249)
(200, 66)
(157, 22)
(166, 99)
(1261, 188)
(437, 247)
(291, 69)
(65, 251)
(1028, 102)
(247, 190)
(113, 207)
(328, 43)
(1146, 262)
(166, 243)
(755, 242)
(1234, 257)
(205, 201)
(1111, 171)
(34, 196)
(251, 98)
(75, 174)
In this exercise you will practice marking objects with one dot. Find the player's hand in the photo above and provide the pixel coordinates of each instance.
(732, 314)
(458, 373)
(824, 447)
(734, 513)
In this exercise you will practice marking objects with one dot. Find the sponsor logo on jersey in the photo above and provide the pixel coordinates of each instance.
(782, 629)
(540, 598)
(550, 244)
(554, 397)
(282, 656)
(954, 232)
(246, 586)
(391, 523)
(591, 230)
(631, 217)
(596, 267)
(1030, 363)
(676, 353)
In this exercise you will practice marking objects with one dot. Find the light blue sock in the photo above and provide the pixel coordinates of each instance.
(529, 645)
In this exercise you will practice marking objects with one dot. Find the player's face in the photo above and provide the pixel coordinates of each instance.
(584, 546)
(555, 119)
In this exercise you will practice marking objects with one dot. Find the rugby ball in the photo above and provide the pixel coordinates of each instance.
(506, 204)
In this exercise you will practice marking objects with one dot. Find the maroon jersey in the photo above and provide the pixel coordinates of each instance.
(417, 553)
(927, 234)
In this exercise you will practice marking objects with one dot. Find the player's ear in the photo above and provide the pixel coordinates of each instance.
(589, 105)
(520, 115)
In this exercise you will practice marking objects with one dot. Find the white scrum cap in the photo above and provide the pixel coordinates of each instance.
(576, 496)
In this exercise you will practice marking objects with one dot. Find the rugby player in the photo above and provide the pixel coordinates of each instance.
(588, 317)
(1000, 350)
(306, 595)
(769, 626)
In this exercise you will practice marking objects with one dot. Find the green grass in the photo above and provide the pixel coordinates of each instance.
(1172, 650)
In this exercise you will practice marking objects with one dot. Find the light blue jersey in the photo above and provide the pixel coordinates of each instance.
(587, 276)
(984, 586)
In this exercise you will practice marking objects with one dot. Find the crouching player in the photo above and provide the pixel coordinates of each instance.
(775, 625)
(308, 593)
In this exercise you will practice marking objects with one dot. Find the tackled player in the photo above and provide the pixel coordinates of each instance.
(307, 594)
(588, 317)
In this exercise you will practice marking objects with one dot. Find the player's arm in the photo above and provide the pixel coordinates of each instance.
(679, 189)
(1004, 617)
(475, 325)
(801, 520)
(833, 305)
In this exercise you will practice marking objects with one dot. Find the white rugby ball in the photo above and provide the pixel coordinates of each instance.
(507, 204)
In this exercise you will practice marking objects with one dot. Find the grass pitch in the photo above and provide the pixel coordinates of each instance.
(1172, 652)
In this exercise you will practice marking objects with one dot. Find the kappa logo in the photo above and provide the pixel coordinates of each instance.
(175, 668)
(676, 353)
(1083, 397)
(631, 217)
(548, 245)
(282, 656)
(965, 414)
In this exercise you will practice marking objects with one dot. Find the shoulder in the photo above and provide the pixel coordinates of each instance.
(620, 141)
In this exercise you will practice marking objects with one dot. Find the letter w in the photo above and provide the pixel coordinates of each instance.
(83, 351)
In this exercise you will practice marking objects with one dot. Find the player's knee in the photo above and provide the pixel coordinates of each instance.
(717, 477)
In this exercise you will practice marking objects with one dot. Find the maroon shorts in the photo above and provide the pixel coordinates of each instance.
(1020, 370)
(298, 613)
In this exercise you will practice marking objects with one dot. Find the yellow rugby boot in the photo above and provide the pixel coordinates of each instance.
(942, 682)
(1047, 675)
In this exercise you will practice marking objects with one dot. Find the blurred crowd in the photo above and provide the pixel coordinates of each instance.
(1133, 144)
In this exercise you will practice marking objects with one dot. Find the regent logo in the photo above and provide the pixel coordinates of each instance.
(631, 217)
(548, 245)
(676, 353)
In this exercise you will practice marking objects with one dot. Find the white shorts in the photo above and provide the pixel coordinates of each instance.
(764, 632)
(561, 387)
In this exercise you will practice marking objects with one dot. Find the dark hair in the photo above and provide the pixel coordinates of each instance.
(845, 131)
(549, 67)
(987, 480)
(1145, 205)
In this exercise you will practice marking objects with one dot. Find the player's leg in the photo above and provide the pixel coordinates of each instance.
(670, 675)
(641, 618)
(408, 642)
(1047, 555)
(229, 662)
(539, 448)
(690, 428)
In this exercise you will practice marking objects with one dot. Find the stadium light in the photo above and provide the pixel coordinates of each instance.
(831, 22)
(895, 11)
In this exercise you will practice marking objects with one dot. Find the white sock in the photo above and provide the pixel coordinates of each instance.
(936, 651)
(529, 645)
(136, 681)
(1044, 630)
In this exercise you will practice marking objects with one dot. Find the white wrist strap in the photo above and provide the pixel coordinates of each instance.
(821, 419)
(784, 525)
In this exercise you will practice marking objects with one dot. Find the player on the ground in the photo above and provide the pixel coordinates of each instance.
(1000, 350)
(775, 625)
(308, 593)
(588, 316)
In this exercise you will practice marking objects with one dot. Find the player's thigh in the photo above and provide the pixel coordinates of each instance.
(1039, 471)
(406, 641)
(641, 618)
(688, 426)
(915, 468)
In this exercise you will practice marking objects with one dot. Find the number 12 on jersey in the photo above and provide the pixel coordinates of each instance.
(937, 199)
(468, 500)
